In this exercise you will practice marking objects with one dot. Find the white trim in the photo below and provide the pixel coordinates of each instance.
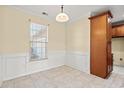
(16, 65)
(78, 53)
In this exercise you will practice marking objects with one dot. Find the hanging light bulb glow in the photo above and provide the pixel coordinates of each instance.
(62, 17)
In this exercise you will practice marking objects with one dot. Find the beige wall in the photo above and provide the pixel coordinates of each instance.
(118, 50)
(16, 24)
(1, 27)
(78, 36)
(118, 44)
(16, 31)
(78, 44)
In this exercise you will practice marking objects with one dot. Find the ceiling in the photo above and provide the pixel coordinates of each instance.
(74, 11)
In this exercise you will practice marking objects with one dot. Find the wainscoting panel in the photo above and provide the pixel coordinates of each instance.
(78, 61)
(14, 66)
(55, 59)
(17, 65)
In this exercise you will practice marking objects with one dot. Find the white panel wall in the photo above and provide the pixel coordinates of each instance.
(14, 66)
(55, 59)
(80, 61)
(18, 65)
(0, 70)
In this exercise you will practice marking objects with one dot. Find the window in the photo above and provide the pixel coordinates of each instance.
(38, 41)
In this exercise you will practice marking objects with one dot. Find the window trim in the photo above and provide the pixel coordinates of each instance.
(46, 44)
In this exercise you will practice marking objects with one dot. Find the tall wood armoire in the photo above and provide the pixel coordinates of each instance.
(100, 47)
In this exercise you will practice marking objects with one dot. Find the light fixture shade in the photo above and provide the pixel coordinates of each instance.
(62, 17)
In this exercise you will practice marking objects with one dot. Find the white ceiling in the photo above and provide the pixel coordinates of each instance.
(74, 11)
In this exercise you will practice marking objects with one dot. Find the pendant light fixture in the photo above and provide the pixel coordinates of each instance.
(62, 17)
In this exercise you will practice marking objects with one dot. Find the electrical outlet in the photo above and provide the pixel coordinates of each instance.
(121, 59)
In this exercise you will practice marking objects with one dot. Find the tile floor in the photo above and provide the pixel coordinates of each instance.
(64, 77)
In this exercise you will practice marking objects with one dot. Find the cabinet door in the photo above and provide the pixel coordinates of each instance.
(109, 30)
(98, 46)
(114, 32)
(122, 30)
(118, 31)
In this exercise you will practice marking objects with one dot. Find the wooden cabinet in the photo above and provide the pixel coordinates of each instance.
(100, 45)
(118, 31)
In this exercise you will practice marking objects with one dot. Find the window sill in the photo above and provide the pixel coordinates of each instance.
(39, 60)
